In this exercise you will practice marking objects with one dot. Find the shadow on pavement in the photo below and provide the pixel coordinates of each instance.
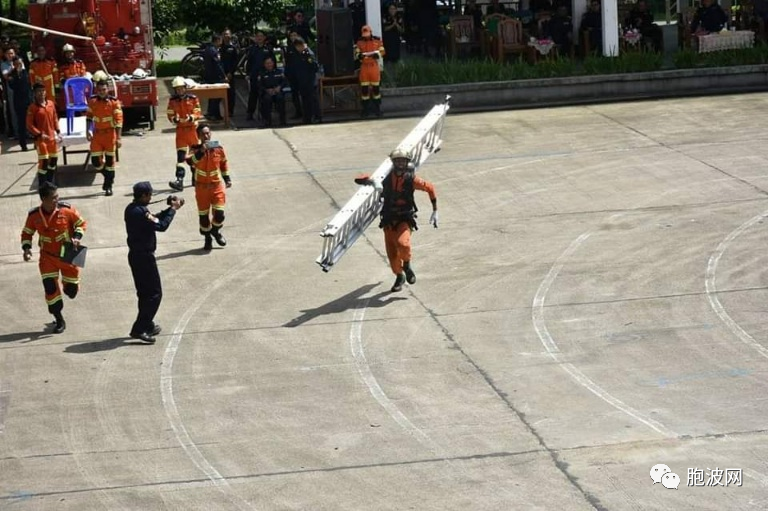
(105, 345)
(349, 301)
(25, 336)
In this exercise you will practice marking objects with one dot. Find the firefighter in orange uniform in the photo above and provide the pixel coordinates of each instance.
(43, 125)
(43, 70)
(106, 116)
(398, 214)
(56, 223)
(369, 50)
(71, 66)
(211, 177)
(183, 111)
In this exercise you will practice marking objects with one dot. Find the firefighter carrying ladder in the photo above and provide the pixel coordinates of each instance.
(364, 206)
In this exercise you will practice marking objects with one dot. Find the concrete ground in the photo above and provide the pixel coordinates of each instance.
(592, 305)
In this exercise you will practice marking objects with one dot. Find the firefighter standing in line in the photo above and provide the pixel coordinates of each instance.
(369, 50)
(56, 223)
(141, 226)
(183, 111)
(106, 116)
(211, 177)
(43, 125)
(71, 67)
(398, 214)
(44, 70)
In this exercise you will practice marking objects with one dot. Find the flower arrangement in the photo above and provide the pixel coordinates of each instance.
(632, 36)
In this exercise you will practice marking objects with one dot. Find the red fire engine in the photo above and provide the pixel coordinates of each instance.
(122, 31)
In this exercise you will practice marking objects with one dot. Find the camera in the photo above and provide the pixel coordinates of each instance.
(172, 198)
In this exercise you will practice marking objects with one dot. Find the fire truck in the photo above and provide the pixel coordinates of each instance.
(122, 32)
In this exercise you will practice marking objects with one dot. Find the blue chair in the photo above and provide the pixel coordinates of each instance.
(77, 91)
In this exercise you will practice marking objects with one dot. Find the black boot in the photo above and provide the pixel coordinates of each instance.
(220, 239)
(410, 277)
(208, 246)
(377, 107)
(61, 325)
(398, 285)
(177, 185)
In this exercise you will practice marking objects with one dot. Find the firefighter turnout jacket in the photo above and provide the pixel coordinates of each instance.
(46, 72)
(106, 114)
(210, 166)
(60, 226)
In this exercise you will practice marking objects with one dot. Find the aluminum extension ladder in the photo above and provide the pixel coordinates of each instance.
(364, 206)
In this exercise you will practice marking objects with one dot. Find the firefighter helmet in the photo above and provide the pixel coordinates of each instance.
(68, 47)
(179, 81)
(399, 153)
(100, 76)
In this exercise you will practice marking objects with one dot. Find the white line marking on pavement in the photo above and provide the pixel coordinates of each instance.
(5, 398)
(169, 403)
(358, 353)
(711, 286)
(552, 349)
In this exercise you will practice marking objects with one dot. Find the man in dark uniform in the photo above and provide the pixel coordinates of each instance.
(229, 59)
(641, 18)
(271, 83)
(300, 26)
(306, 74)
(291, 65)
(257, 53)
(213, 73)
(141, 226)
(709, 18)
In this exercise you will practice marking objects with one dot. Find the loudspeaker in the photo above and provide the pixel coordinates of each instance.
(335, 43)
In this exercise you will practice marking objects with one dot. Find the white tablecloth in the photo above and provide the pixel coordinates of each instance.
(77, 136)
(726, 41)
(543, 46)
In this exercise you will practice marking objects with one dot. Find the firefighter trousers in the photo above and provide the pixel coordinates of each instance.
(51, 266)
(397, 239)
(211, 200)
(149, 290)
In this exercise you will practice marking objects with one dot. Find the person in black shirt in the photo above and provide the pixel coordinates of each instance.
(641, 18)
(18, 82)
(229, 58)
(271, 83)
(471, 9)
(710, 17)
(300, 26)
(141, 226)
(257, 54)
(306, 75)
(560, 29)
(592, 23)
(213, 73)
(291, 73)
(393, 31)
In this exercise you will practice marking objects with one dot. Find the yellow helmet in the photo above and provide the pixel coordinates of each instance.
(399, 153)
(100, 76)
(68, 47)
(179, 81)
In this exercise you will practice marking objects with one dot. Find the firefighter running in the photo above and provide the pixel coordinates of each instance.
(56, 223)
(43, 125)
(398, 214)
(211, 177)
(105, 116)
(183, 111)
(369, 50)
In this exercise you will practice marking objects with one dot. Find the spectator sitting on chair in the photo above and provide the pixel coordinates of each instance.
(257, 54)
(642, 19)
(560, 29)
(592, 23)
(271, 83)
(710, 17)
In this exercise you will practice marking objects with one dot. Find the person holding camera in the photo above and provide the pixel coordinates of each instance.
(211, 177)
(141, 226)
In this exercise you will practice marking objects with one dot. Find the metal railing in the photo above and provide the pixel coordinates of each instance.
(364, 206)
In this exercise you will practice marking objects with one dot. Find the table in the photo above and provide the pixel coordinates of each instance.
(214, 91)
(720, 41)
(77, 137)
(336, 85)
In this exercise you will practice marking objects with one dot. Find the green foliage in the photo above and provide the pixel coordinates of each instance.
(167, 68)
(627, 62)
